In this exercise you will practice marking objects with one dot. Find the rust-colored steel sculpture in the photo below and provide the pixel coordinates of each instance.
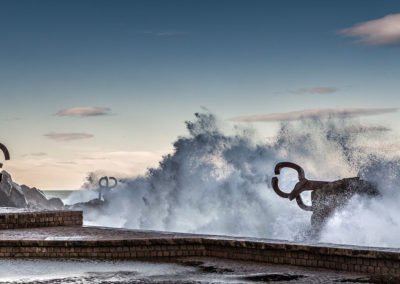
(6, 154)
(302, 185)
(104, 184)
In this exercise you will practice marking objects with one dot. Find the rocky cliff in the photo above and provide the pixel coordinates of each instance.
(22, 196)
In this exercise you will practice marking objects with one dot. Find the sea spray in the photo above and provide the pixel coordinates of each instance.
(218, 183)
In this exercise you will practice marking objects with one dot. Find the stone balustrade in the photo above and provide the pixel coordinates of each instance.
(59, 234)
(13, 218)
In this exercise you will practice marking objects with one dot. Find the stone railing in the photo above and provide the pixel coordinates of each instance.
(11, 218)
(345, 258)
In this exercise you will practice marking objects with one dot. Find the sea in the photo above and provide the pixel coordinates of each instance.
(62, 194)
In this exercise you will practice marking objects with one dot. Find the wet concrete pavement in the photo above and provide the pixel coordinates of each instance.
(175, 270)
(184, 270)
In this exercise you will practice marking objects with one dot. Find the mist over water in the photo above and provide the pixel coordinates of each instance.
(218, 182)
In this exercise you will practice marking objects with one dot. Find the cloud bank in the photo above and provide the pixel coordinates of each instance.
(316, 90)
(84, 111)
(383, 31)
(366, 129)
(68, 136)
(310, 113)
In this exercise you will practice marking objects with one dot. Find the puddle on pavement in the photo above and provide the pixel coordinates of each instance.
(272, 277)
(188, 271)
(206, 267)
(371, 280)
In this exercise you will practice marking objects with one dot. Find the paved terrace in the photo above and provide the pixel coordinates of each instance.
(75, 241)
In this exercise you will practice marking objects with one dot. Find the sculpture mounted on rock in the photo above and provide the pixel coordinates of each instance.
(105, 185)
(326, 197)
(104, 188)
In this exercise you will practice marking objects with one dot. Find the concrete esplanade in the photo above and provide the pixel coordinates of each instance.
(60, 234)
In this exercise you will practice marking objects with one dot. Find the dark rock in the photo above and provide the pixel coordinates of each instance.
(35, 197)
(17, 198)
(55, 203)
(92, 204)
(11, 194)
(14, 195)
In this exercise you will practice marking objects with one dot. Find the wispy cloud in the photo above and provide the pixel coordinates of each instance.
(382, 31)
(39, 154)
(84, 111)
(366, 129)
(36, 154)
(68, 136)
(315, 90)
(169, 33)
(310, 113)
(386, 147)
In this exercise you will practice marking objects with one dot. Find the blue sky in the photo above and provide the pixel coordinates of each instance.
(152, 64)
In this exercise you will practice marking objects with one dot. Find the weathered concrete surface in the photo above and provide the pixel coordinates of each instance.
(193, 270)
(107, 243)
(14, 218)
(182, 271)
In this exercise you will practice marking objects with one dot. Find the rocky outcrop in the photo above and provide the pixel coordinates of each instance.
(22, 196)
(94, 204)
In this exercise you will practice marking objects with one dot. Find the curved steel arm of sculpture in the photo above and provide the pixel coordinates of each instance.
(301, 204)
(4, 149)
(302, 185)
(297, 168)
(106, 185)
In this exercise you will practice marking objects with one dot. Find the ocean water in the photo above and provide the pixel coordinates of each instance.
(63, 194)
(217, 180)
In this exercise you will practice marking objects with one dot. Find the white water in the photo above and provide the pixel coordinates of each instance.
(219, 183)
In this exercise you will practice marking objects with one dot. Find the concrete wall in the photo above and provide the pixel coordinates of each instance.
(335, 258)
(111, 243)
(35, 219)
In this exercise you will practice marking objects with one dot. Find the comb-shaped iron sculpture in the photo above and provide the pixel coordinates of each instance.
(302, 185)
(326, 197)
(343, 188)
(104, 184)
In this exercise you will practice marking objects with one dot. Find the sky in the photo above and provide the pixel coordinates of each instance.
(107, 85)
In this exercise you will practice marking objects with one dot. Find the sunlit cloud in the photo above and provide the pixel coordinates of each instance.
(68, 136)
(36, 154)
(382, 31)
(84, 111)
(366, 129)
(311, 113)
(315, 90)
(47, 172)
